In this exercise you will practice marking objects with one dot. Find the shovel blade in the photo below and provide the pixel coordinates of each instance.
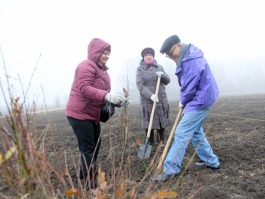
(144, 151)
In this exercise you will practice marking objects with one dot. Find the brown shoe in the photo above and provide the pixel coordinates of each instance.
(160, 135)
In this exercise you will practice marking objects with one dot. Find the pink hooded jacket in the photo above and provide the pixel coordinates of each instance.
(90, 86)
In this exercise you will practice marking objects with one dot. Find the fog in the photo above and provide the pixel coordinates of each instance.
(42, 42)
(234, 77)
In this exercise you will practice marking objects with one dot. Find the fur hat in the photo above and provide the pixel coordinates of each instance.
(168, 43)
(148, 51)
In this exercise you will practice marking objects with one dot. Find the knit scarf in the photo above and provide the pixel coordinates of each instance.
(149, 63)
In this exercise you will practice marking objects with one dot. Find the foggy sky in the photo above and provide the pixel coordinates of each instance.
(43, 41)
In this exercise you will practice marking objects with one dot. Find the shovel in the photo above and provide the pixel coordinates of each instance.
(145, 149)
(162, 158)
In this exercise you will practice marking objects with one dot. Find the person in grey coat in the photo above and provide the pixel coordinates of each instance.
(146, 79)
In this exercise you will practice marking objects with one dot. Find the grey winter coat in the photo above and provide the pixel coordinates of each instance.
(146, 80)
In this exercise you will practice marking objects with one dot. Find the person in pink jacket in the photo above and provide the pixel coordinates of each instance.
(90, 91)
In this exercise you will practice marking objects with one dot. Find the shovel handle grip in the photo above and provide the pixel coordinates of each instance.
(153, 109)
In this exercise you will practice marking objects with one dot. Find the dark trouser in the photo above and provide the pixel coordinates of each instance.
(151, 138)
(88, 137)
(160, 135)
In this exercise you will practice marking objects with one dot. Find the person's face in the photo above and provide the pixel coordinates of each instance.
(148, 58)
(174, 52)
(103, 58)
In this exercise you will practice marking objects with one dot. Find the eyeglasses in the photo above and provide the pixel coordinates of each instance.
(148, 55)
(106, 53)
(170, 53)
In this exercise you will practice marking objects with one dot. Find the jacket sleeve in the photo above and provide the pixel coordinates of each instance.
(144, 91)
(85, 76)
(189, 81)
(165, 78)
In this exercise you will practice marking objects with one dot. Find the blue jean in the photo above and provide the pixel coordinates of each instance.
(189, 128)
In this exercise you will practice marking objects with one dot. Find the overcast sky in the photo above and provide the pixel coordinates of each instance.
(55, 33)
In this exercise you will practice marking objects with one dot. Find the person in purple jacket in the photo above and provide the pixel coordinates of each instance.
(198, 92)
(90, 91)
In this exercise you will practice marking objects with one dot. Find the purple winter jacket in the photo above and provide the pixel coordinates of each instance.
(198, 88)
(90, 86)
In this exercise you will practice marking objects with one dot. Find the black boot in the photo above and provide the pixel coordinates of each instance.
(88, 170)
(91, 180)
(81, 173)
(93, 174)
(151, 139)
(160, 135)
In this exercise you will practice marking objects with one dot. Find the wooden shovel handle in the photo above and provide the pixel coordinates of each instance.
(153, 109)
(162, 158)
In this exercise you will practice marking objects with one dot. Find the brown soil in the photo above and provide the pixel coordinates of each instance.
(235, 128)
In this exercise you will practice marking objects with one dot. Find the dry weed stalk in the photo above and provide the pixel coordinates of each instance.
(28, 171)
(24, 169)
